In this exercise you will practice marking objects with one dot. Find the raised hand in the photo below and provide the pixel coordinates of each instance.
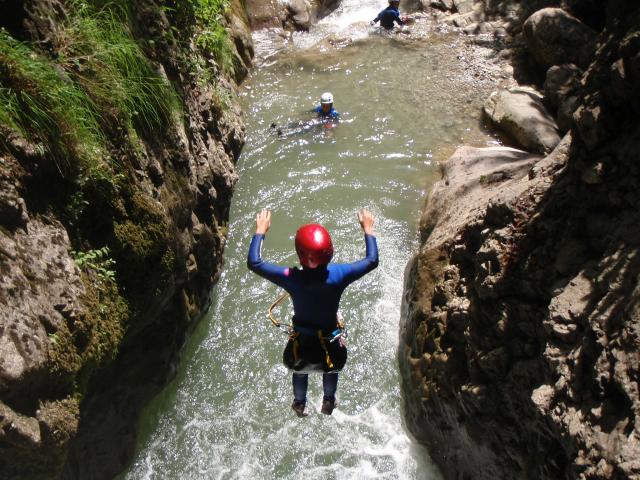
(365, 217)
(263, 221)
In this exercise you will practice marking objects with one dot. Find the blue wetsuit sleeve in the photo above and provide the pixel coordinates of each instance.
(397, 19)
(368, 263)
(377, 19)
(274, 273)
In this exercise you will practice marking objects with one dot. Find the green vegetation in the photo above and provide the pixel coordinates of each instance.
(208, 34)
(100, 78)
(97, 261)
(42, 102)
(101, 55)
(212, 37)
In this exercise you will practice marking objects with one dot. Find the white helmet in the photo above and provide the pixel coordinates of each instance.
(326, 97)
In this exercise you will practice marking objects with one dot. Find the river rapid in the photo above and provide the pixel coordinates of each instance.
(406, 102)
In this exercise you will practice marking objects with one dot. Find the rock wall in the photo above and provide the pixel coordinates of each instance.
(289, 14)
(102, 279)
(520, 339)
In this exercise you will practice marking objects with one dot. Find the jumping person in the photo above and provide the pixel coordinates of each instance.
(390, 15)
(325, 109)
(316, 344)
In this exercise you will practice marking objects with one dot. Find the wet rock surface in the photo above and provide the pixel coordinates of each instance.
(289, 14)
(520, 113)
(80, 354)
(520, 340)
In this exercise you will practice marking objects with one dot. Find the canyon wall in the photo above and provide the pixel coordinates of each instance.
(520, 338)
(119, 132)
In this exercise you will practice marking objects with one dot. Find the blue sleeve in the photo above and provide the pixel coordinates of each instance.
(273, 273)
(377, 19)
(368, 263)
(396, 17)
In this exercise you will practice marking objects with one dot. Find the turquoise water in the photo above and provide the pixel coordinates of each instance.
(404, 106)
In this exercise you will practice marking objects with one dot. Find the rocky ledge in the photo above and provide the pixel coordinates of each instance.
(520, 338)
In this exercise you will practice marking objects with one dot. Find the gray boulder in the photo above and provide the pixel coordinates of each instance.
(554, 37)
(463, 6)
(265, 13)
(445, 5)
(561, 81)
(520, 114)
(299, 14)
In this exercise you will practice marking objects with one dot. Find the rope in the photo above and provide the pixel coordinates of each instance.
(286, 328)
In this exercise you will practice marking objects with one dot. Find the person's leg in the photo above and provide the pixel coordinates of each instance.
(329, 385)
(300, 384)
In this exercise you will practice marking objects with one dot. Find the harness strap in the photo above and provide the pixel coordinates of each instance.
(312, 332)
(327, 357)
(296, 346)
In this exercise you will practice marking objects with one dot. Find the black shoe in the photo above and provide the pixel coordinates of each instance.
(300, 408)
(328, 406)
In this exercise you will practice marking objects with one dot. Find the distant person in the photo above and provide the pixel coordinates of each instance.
(389, 15)
(325, 109)
(326, 118)
(316, 343)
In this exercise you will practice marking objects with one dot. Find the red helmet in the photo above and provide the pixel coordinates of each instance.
(313, 245)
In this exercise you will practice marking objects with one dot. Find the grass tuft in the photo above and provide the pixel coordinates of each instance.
(42, 103)
(98, 50)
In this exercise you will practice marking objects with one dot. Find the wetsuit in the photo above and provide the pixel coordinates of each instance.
(315, 294)
(388, 16)
(330, 114)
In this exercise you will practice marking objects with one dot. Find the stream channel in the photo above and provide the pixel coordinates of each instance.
(406, 103)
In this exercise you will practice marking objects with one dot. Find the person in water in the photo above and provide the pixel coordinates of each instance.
(327, 118)
(389, 15)
(316, 343)
(325, 109)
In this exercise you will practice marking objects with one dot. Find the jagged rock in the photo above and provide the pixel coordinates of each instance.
(299, 14)
(240, 33)
(40, 288)
(18, 430)
(62, 326)
(445, 5)
(521, 114)
(567, 108)
(549, 277)
(463, 6)
(554, 37)
(470, 173)
(560, 82)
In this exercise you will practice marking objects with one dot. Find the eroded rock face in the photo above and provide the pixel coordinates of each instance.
(69, 333)
(520, 345)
